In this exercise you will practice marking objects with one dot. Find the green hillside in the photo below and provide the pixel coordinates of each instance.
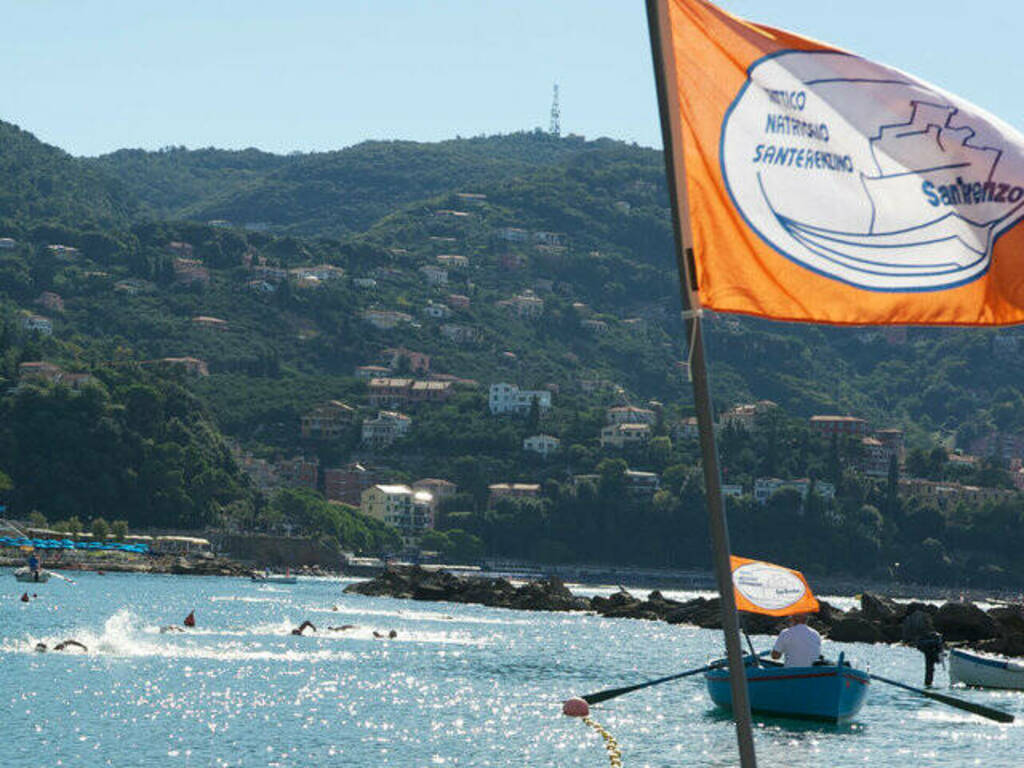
(577, 230)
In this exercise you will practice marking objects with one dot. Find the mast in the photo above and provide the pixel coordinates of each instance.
(668, 105)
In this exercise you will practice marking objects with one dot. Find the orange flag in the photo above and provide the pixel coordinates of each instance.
(770, 589)
(825, 187)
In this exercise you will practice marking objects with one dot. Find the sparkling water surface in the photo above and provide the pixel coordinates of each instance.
(461, 685)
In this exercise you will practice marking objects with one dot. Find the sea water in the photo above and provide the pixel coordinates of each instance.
(460, 685)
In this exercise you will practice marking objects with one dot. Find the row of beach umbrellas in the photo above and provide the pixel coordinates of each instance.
(22, 541)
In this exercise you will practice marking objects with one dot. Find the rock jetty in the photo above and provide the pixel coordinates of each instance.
(877, 620)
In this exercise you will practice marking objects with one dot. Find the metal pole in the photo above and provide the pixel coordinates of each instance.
(668, 104)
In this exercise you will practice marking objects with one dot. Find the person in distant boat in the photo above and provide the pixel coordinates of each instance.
(33, 566)
(24, 597)
(799, 643)
(932, 645)
(190, 620)
(302, 627)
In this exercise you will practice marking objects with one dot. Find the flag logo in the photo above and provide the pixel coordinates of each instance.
(866, 175)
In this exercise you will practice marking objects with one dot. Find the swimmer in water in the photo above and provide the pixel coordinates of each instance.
(302, 627)
(342, 628)
(41, 647)
(392, 634)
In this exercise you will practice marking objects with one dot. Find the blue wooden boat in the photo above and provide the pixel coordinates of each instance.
(833, 692)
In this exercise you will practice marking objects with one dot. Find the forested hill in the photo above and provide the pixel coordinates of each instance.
(339, 193)
(527, 258)
(41, 185)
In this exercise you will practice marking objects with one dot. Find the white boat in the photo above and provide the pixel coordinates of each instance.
(274, 578)
(37, 577)
(985, 671)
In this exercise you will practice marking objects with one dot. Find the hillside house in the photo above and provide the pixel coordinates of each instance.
(437, 311)
(436, 487)
(512, 234)
(209, 323)
(434, 275)
(408, 510)
(641, 484)
(37, 324)
(39, 371)
(875, 457)
(193, 366)
(453, 261)
(687, 429)
(133, 286)
(51, 301)
(365, 283)
(745, 416)
(190, 271)
(385, 318)
(508, 398)
(620, 436)
(512, 491)
(458, 301)
(300, 472)
(371, 371)
(528, 304)
(597, 327)
(327, 421)
(8, 243)
(270, 274)
(389, 392)
(178, 248)
(385, 429)
(630, 414)
(764, 487)
(418, 362)
(430, 391)
(346, 484)
(64, 252)
(321, 272)
(839, 425)
(459, 334)
(545, 445)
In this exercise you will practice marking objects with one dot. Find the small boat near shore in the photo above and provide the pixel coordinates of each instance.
(982, 671)
(274, 578)
(831, 692)
(35, 577)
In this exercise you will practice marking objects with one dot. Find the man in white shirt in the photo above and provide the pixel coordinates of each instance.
(799, 643)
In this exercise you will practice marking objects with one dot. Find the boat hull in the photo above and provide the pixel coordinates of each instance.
(832, 693)
(27, 576)
(276, 579)
(985, 671)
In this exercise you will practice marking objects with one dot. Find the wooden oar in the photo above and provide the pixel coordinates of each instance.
(611, 693)
(59, 576)
(979, 709)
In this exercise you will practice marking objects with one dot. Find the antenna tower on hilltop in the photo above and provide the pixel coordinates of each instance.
(556, 128)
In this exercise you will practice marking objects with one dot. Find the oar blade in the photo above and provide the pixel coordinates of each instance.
(979, 709)
(968, 706)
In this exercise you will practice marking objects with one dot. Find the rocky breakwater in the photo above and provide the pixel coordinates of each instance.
(877, 620)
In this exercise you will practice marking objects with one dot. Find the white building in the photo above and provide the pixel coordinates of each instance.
(625, 435)
(764, 487)
(385, 318)
(437, 311)
(408, 510)
(385, 429)
(545, 445)
(435, 275)
(508, 398)
(630, 414)
(38, 324)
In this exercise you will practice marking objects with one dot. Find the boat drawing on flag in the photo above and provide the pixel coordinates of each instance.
(833, 692)
(868, 176)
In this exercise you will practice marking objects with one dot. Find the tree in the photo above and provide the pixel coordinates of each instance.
(120, 530)
(37, 519)
(100, 529)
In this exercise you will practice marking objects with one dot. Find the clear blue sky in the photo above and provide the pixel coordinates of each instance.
(92, 76)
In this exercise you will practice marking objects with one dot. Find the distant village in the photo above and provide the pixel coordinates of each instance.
(401, 381)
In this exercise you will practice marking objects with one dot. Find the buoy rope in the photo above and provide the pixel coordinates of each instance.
(610, 744)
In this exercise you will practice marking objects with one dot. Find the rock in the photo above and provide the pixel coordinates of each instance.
(855, 630)
(964, 621)
(915, 626)
(878, 608)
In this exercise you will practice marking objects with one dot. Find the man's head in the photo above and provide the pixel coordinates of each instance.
(797, 618)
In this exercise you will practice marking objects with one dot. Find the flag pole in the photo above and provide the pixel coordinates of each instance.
(663, 55)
